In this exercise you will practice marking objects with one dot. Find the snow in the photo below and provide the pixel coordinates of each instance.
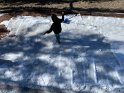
(89, 58)
(12, 56)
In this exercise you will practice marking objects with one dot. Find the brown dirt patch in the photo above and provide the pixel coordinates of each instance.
(3, 31)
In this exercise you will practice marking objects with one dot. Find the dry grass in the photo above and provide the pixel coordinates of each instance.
(117, 4)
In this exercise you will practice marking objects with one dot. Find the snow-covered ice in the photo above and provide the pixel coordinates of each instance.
(90, 56)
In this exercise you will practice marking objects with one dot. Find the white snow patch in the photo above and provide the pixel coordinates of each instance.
(82, 61)
(12, 56)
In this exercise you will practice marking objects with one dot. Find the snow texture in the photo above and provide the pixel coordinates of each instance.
(90, 56)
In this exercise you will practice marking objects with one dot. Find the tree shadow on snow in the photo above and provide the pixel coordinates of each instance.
(95, 50)
(28, 69)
